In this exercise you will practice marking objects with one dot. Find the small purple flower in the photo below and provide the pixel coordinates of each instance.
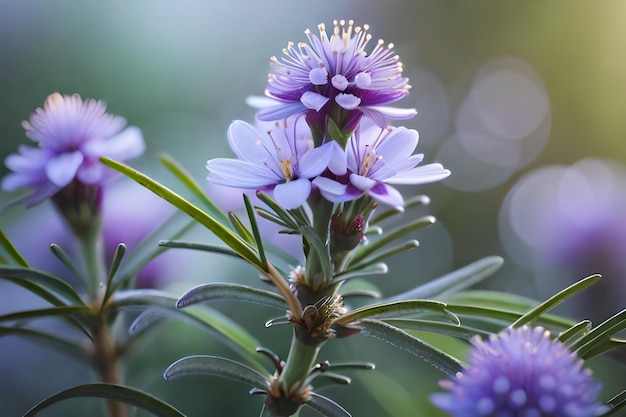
(337, 76)
(281, 159)
(71, 135)
(521, 372)
(376, 158)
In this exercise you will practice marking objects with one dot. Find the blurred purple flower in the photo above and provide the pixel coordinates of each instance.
(282, 160)
(337, 76)
(376, 158)
(71, 135)
(521, 372)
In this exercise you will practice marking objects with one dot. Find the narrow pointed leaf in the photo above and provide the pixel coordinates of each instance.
(371, 269)
(120, 250)
(326, 407)
(82, 314)
(447, 329)
(554, 300)
(616, 403)
(413, 201)
(68, 262)
(397, 309)
(413, 345)
(23, 276)
(221, 231)
(120, 393)
(11, 251)
(601, 333)
(184, 177)
(241, 229)
(146, 320)
(215, 365)
(178, 244)
(280, 212)
(73, 350)
(382, 255)
(455, 281)
(255, 229)
(504, 317)
(576, 331)
(317, 246)
(364, 251)
(228, 291)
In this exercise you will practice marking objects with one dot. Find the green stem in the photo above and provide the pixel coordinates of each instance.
(322, 212)
(92, 249)
(299, 362)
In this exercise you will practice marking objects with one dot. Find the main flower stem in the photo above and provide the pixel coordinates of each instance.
(299, 362)
(92, 248)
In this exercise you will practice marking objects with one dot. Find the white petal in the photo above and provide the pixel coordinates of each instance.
(318, 76)
(292, 194)
(348, 101)
(363, 79)
(313, 100)
(280, 112)
(126, 145)
(61, 169)
(240, 174)
(339, 82)
(420, 175)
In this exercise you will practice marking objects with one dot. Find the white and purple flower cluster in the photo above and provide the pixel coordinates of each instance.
(521, 372)
(330, 130)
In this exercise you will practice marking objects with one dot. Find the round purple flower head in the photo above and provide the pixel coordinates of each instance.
(72, 135)
(335, 76)
(521, 373)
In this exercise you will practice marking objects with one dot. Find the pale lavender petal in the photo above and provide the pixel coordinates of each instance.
(127, 145)
(292, 194)
(247, 142)
(338, 163)
(12, 182)
(361, 182)
(375, 116)
(240, 174)
(261, 102)
(387, 195)
(420, 175)
(313, 100)
(394, 113)
(339, 82)
(348, 101)
(408, 163)
(93, 172)
(363, 80)
(398, 145)
(314, 162)
(329, 186)
(62, 168)
(280, 111)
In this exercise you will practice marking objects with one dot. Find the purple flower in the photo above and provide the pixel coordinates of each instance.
(71, 136)
(521, 372)
(376, 158)
(337, 76)
(281, 159)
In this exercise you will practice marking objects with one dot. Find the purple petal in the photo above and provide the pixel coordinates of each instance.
(361, 182)
(394, 113)
(348, 101)
(280, 111)
(127, 145)
(93, 172)
(329, 187)
(387, 195)
(240, 174)
(363, 79)
(314, 162)
(318, 76)
(420, 175)
(13, 181)
(313, 100)
(339, 82)
(338, 163)
(62, 168)
(292, 194)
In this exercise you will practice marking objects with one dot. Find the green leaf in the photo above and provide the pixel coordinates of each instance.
(397, 309)
(126, 395)
(255, 229)
(180, 173)
(364, 251)
(383, 254)
(228, 291)
(286, 217)
(71, 349)
(25, 276)
(241, 229)
(413, 345)
(178, 244)
(600, 334)
(326, 407)
(503, 317)
(318, 247)
(370, 269)
(422, 200)
(447, 329)
(576, 331)
(616, 403)
(215, 365)
(68, 262)
(82, 314)
(455, 281)
(11, 251)
(221, 231)
(120, 250)
(554, 300)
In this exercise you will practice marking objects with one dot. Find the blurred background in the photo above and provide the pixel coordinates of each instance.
(523, 101)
